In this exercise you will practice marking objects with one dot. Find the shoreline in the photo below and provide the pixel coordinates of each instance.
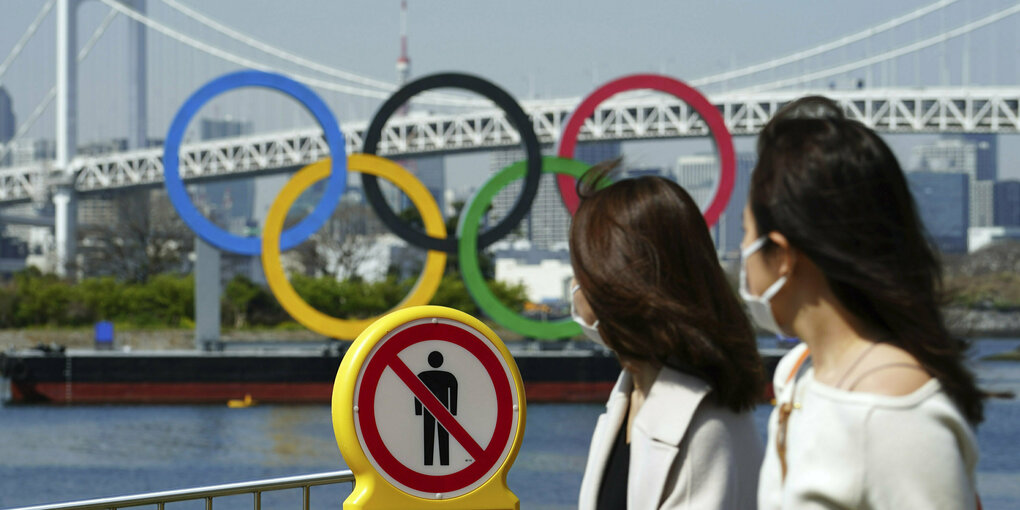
(974, 323)
(963, 323)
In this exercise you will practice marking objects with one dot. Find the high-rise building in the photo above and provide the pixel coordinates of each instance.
(982, 203)
(7, 120)
(987, 157)
(942, 201)
(698, 174)
(547, 225)
(97, 210)
(731, 224)
(596, 152)
(973, 155)
(1007, 204)
(431, 171)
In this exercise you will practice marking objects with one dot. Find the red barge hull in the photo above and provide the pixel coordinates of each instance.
(272, 376)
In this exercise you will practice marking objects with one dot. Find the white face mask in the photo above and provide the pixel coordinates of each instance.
(590, 330)
(759, 306)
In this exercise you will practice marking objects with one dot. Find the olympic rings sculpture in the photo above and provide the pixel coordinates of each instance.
(468, 241)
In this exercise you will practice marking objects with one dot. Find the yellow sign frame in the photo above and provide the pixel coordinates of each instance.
(371, 490)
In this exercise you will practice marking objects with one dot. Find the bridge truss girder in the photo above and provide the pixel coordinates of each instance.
(640, 116)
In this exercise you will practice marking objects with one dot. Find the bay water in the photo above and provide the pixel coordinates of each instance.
(51, 453)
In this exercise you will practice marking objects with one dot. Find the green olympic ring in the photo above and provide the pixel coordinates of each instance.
(467, 250)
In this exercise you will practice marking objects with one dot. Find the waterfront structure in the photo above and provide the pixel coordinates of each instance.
(980, 237)
(1007, 204)
(943, 203)
(544, 273)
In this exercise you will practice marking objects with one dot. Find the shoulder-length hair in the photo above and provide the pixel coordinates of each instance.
(834, 189)
(642, 254)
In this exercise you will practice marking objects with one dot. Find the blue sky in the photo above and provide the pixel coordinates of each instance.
(532, 48)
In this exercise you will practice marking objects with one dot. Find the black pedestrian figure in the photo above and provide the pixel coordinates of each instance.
(443, 385)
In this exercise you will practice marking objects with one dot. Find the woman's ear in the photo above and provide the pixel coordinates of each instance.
(787, 255)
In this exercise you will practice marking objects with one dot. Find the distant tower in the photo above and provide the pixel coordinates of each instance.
(403, 63)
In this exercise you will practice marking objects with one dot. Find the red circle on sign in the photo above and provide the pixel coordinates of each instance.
(682, 91)
(387, 354)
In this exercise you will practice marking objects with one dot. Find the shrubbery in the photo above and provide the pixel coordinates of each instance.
(33, 299)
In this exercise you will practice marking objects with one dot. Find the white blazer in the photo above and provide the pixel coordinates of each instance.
(685, 450)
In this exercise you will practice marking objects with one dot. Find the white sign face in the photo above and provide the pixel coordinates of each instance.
(407, 430)
(436, 408)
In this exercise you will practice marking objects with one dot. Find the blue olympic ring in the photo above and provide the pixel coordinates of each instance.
(201, 225)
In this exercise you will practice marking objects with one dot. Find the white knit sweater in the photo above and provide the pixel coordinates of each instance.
(865, 451)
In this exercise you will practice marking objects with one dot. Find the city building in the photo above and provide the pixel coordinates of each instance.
(633, 173)
(97, 210)
(972, 154)
(942, 201)
(982, 203)
(431, 171)
(698, 174)
(101, 147)
(1007, 204)
(26, 151)
(547, 224)
(13, 252)
(987, 157)
(728, 232)
(8, 125)
(227, 127)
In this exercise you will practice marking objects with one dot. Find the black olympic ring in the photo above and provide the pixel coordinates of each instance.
(514, 113)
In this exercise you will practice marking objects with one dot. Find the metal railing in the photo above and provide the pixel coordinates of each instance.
(254, 487)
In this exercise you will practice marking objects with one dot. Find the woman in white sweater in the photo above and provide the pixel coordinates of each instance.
(677, 432)
(875, 410)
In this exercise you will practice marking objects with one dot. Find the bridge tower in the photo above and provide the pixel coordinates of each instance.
(65, 207)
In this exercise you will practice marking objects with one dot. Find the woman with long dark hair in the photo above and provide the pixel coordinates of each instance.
(875, 408)
(677, 432)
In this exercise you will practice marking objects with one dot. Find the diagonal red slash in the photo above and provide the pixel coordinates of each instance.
(434, 406)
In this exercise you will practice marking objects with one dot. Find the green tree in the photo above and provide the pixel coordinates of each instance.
(238, 295)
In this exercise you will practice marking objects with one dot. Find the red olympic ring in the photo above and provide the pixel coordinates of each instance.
(682, 91)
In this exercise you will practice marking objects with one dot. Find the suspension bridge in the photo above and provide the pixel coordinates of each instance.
(456, 123)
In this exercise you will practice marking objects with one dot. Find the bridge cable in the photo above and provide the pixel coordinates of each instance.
(306, 63)
(811, 52)
(823, 48)
(889, 55)
(277, 52)
(29, 32)
(5, 148)
(245, 62)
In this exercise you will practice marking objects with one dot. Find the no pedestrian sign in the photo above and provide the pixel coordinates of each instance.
(436, 407)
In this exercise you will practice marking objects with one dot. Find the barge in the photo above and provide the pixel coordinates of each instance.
(277, 373)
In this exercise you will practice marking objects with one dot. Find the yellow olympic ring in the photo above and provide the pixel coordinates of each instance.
(424, 288)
